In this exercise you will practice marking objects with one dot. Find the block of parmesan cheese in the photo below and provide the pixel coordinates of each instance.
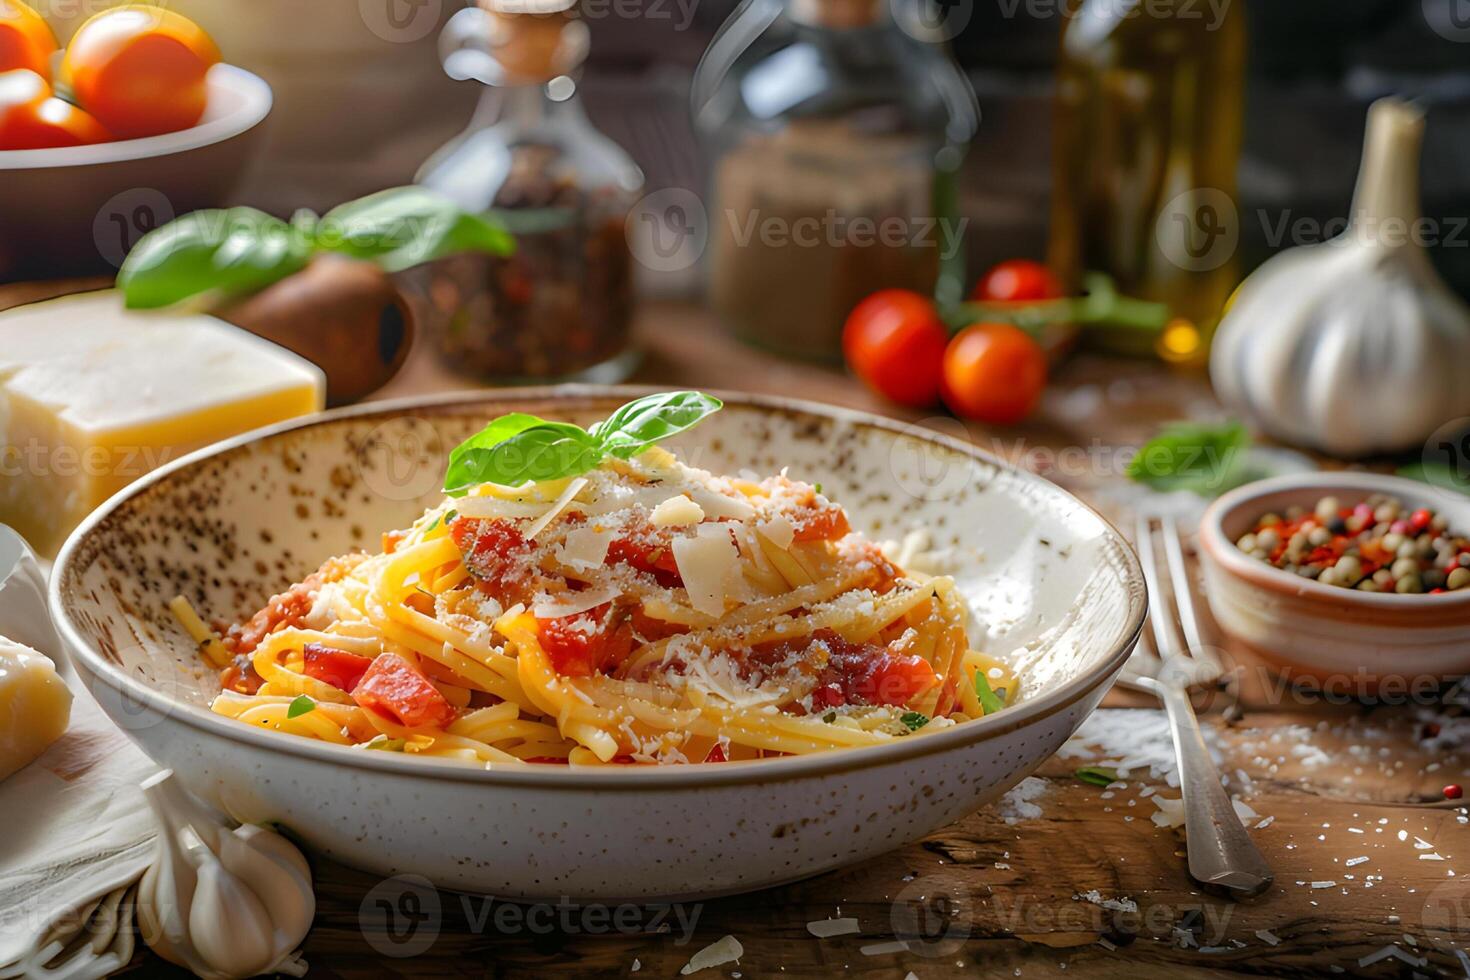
(92, 396)
(35, 705)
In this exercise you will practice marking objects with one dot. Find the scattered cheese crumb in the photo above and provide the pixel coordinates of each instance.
(677, 511)
(724, 950)
(827, 928)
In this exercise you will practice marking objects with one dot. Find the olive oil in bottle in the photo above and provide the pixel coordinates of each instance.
(1148, 123)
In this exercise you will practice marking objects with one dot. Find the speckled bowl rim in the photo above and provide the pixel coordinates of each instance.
(612, 778)
(1219, 548)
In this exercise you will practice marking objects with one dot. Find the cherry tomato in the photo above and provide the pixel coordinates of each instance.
(140, 69)
(395, 689)
(993, 372)
(32, 119)
(894, 342)
(1015, 281)
(26, 40)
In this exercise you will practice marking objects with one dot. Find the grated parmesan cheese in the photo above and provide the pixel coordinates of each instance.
(677, 511)
(708, 563)
(585, 548)
(561, 504)
(779, 531)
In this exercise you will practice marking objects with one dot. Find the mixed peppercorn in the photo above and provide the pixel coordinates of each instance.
(1378, 545)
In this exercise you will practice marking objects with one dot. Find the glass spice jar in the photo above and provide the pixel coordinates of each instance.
(559, 308)
(835, 133)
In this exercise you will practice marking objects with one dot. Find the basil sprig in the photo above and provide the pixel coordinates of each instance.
(241, 250)
(1205, 459)
(520, 448)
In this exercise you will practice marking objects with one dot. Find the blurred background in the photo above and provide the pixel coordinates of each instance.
(362, 101)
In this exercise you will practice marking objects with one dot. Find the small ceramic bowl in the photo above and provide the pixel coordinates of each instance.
(78, 209)
(1325, 631)
(1051, 587)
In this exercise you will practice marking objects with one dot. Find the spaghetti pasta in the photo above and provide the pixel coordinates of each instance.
(642, 612)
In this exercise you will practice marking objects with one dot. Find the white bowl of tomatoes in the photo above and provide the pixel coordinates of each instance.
(134, 122)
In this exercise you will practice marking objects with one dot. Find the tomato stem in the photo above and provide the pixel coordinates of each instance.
(1100, 305)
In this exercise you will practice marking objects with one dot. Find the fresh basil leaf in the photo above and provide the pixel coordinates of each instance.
(914, 720)
(461, 473)
(1203, 459)
(300, 706)
(1097, 775)
(231, 251)
(545, 451)
(641, 423)
(407, 226)
(989, 700)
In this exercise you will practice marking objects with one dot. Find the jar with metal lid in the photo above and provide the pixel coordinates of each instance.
(560, 308)
(836, 129)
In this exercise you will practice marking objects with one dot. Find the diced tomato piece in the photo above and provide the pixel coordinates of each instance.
(494, 550)
(821, 522)
(855, 673)
(584, 644)
(893, 679)
(648, 552)
(335, 667)
(393, 688)
(717, 753)
(391, 541)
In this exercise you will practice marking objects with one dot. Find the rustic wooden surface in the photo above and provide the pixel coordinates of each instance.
(1339, 779)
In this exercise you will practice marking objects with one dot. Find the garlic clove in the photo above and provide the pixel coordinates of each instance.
(259, 858)
(222, 902)
(229, 927)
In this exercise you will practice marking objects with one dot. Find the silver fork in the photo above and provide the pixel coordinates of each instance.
(1167, 664)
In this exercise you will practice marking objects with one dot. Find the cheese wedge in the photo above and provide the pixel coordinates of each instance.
(35, 705)
(93, 396)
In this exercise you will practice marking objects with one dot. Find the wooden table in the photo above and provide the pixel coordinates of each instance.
(1077, 881)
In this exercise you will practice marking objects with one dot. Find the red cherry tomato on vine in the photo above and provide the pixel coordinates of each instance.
(894, 341)
(993, 372)
(1017, 281)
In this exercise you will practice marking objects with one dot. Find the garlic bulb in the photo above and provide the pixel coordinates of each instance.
(1354, 346)
(222, 903)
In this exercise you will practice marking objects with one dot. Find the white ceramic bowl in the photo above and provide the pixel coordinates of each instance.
(1058, 589)
(1333, 634)
(81, 207)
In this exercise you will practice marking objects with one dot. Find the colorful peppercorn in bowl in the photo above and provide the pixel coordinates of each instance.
(1353, 578)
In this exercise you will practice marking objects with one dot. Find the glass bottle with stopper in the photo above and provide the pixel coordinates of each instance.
(835, 130)
(560, 308)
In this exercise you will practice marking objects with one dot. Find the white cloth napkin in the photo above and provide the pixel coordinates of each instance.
(78, 836)
(75, 833)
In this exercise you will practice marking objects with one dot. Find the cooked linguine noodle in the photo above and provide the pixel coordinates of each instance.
(642, 612)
